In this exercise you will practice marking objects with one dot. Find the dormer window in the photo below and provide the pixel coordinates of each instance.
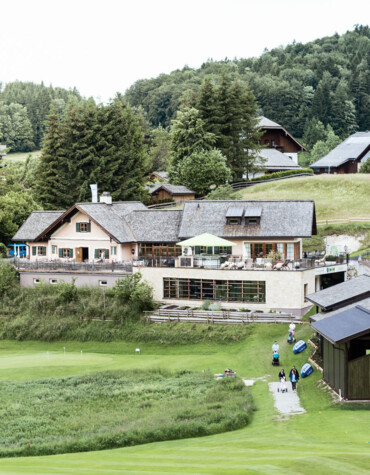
(252, 221)
(234, 216)
(252, 216)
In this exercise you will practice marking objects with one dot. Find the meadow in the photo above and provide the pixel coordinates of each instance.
(329, 438)
(336, 196)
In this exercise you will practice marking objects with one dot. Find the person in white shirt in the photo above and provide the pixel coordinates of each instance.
(275, 347)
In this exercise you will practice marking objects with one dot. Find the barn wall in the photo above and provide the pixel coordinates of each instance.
(334, 365)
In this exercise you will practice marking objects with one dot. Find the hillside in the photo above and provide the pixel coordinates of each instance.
(336, 196)
(326, 79)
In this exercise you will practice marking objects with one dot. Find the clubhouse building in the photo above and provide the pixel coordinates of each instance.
(238, 253)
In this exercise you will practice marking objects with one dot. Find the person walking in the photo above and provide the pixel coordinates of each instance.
(294, 377)
(275, 347)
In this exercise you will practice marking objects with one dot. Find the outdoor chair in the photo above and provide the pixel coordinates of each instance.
(319, 262)
(248, 264)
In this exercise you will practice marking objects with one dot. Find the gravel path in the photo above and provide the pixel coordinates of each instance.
(286, 403)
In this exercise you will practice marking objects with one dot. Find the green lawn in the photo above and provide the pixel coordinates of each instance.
(336, 196)
(327, 439)
(21, 156)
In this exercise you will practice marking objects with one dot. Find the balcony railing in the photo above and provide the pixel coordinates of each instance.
(59, 265)
(237, 262)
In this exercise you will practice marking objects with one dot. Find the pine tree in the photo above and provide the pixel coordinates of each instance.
(52, 186)
(123, 159)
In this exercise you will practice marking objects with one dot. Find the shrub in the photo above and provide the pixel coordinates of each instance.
(214, 307)
(205, 305)
(3, 250)
(271, 176)
(8, 278)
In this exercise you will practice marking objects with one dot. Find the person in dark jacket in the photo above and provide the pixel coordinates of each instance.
(294, 377)
(281, 374)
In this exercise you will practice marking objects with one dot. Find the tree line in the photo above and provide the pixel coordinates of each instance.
(24, 107)
(326, 80)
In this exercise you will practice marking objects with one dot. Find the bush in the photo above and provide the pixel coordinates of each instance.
(130, 289)
(3, 250)
(8, 279)
(205, 305)
(271, 176)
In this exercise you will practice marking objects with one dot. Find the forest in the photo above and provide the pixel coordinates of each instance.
(327, 79)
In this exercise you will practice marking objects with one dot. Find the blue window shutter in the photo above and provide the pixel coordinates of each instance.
(70, 252)
(107, 253)
(78, 227)
(34, 250)
(196, 250)
(89, 227)
(96, 254)
(60, 252)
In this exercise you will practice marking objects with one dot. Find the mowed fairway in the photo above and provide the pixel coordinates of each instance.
(327, 439)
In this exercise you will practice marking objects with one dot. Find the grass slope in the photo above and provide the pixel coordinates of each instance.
(336, 196)
(327, 439)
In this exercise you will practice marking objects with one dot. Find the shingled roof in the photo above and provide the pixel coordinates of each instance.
(278, 219)
(340, 294)
(277, 160)
(155, 225)
(133, 222)
(354, 147)
(35, 224)
(171, 189)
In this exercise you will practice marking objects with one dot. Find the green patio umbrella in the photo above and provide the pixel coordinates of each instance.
(206, 239)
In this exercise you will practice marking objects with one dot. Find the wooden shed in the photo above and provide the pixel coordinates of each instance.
(345, 349)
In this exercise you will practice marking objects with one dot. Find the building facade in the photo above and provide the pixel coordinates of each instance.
(263, 268)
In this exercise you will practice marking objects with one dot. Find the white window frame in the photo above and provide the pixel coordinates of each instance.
(103, 283)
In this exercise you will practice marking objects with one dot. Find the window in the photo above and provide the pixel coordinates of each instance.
(233, 221)
(220, 290)
(252, 220)
(66, 253)
(83, 227)
(54, 249)
(280, 249)
(101, 254)
(247, 250)
(41, 250)
(290, 251)
(53, 281)
(113, 251)
(305, 291)
(217, 250)
(36, 281)
(103, 283)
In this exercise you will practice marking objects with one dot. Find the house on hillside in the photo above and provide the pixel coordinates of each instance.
(166, 191)
(258, 263)
(344, 329)
(346, 157)
(278, 138)
(275, 161)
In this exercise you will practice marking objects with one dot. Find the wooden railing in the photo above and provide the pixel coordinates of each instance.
(359, 219)
(223, 317)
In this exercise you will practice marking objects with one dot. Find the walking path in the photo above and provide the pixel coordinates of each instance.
(286, 403)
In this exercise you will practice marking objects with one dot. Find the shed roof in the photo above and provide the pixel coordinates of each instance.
(35, 224)
(278, 219)
(354, 147)
(155, 225)
(340, 294)
(277, 160)
(346, 324)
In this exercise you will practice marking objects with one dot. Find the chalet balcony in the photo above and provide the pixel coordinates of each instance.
(239, 262)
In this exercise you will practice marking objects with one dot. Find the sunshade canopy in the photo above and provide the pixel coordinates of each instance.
(206, 239)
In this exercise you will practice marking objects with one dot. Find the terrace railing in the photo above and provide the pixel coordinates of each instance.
(236, 262)
(72, 266)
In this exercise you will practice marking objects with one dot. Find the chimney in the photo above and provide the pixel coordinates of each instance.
(94, 193)
(106, 198)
